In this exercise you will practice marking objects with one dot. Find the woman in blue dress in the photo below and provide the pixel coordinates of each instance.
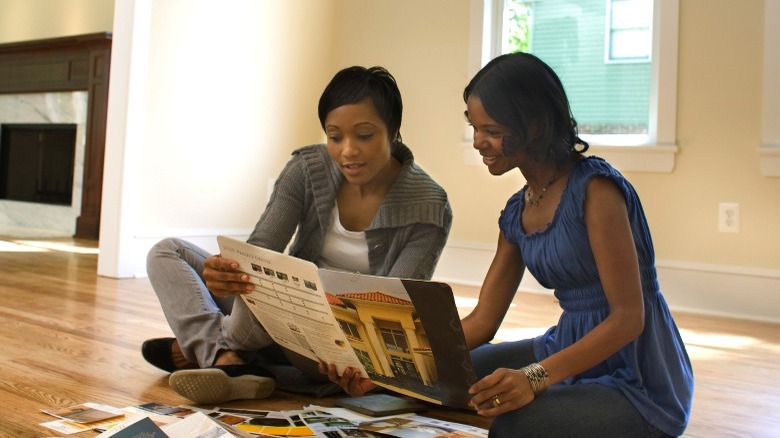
(615, 364)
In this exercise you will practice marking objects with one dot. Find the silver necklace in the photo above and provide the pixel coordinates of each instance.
(529, 193)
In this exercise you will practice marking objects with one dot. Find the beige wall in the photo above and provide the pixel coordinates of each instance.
(719, 132)
(425, 45)
(226, 103)
(718, 125)
(22, 20)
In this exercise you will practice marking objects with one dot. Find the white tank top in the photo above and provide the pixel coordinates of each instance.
(344, 250)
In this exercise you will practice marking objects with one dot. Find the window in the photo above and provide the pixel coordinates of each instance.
(349, 329)
(365, 359)
(394, 339)
(629, 31)
(769, 151)
(403, 367)
(618, 67)
(601, 51)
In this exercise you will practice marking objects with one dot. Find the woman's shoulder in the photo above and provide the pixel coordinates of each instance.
(593, 165)
(415, 176)
(311, 167)
(593, 168)
(588, 168)
(511, 212)
(312, 151)
(315, 159)
(415, 198)
(413, 181)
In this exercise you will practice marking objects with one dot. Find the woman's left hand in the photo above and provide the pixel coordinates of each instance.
(351, 381)
(502, 391)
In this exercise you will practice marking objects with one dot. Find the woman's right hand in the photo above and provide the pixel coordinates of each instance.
(351, 381)
(223, 278)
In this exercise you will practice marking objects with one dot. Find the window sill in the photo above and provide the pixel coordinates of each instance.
(649, 158)
(769, 156)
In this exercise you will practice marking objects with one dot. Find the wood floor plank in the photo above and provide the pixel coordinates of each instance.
(68, 336)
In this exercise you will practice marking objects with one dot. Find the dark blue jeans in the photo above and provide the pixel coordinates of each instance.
(586, 410)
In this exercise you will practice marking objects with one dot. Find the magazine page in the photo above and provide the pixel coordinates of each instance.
(420, 427)
(406, 333)
(290, 302)
(402, 426)
(200, 425)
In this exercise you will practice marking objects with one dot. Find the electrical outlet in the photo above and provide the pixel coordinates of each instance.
(728, 217)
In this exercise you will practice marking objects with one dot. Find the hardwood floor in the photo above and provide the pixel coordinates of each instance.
(69, 336)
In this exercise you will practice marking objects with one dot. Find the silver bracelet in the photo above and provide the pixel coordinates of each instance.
(538, 377)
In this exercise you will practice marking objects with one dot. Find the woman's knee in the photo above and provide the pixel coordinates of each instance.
(489, 357)
(164, 248)
(587, 410)
(175, 250)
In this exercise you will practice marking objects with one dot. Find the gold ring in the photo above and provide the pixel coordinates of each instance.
(496, 401)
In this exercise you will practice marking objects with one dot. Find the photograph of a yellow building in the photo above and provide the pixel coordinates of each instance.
(388, 337)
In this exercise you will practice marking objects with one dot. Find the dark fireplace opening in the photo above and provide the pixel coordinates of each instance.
(36, 162)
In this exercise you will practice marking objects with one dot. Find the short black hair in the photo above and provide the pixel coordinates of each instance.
(522, 93)
(353, 84)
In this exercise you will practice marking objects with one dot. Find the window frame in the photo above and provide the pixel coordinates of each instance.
(394, 334)
(349, 329)
(654, 152)
(769, 151)
(609, 32)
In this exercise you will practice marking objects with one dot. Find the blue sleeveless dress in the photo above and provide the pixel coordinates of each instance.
(653, 371)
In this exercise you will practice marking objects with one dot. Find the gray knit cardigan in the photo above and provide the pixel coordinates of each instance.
(405, 238)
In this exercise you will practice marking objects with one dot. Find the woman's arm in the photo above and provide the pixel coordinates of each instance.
(286, 207)
(495, 296)
(420, 253)
(479, 327)
(223, 278)
(417, 259)
(274, 229)
(609, 232)
(612, 242)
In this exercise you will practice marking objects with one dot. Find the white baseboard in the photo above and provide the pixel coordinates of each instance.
(730, 291)
(126, 257)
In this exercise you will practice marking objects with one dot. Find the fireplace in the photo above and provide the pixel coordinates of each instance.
(57, 81)
(42, 154)
(36, 162)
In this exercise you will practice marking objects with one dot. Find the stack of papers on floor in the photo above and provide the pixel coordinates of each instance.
(162, 421)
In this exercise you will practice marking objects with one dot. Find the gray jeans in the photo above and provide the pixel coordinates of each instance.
(587, 410)
(203, 323)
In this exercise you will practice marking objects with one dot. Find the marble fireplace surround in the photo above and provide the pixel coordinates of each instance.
(59, 80)
(29, 218)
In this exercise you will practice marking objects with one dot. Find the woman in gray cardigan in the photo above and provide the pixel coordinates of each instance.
(358, 203)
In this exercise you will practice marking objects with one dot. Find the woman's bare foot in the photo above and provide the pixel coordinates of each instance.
(228, 357)
(179, 360)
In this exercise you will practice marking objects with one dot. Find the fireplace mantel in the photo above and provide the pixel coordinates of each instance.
(76, 63)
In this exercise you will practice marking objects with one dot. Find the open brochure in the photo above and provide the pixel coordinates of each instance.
(195, 425)
(405, 335)
(164, 421)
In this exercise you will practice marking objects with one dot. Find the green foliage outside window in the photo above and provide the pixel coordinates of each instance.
(518, 26)
(607, 96)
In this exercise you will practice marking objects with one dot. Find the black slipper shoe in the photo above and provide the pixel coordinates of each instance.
(157, 352)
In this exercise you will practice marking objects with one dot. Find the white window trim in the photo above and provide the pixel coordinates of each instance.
(769, 151)
(608, 32)
(655, 152)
